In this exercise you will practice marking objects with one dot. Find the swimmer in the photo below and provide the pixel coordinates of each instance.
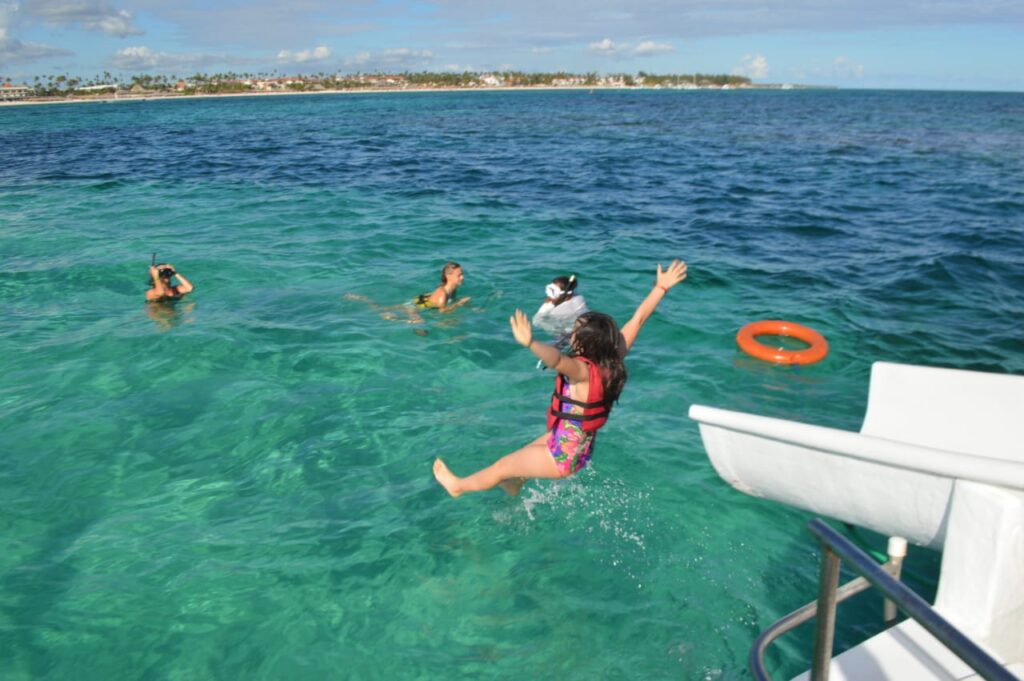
(443, 296)
(588, 382)
(561, 307)
(162, 289)
(441, 299)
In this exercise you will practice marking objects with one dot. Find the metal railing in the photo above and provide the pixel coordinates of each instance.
(885, 578)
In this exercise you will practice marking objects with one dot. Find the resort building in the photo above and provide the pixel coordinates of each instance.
(10, 92)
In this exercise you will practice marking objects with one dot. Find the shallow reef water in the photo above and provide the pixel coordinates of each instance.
(239, 485)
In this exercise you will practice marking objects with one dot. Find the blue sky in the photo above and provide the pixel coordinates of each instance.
(924, 44)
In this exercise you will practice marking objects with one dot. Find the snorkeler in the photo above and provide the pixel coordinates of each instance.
(162, 289)
(441, 299)
(588, 383)
(561, 307)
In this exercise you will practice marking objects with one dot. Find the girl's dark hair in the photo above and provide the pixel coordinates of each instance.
(568, 285)
(448, 268)
(597, 338)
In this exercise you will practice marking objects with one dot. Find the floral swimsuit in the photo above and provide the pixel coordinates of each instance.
(569, 444)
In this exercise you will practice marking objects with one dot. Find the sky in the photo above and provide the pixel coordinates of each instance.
(913, 44)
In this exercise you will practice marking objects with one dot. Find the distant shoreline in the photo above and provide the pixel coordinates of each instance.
(160, 96)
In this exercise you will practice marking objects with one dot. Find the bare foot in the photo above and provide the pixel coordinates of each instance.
(512, 486)
(446, 478)
(354, 296)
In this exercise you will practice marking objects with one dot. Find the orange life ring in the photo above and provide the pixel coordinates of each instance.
(747, 340)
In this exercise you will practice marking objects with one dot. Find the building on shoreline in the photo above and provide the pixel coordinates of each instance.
(10, 92)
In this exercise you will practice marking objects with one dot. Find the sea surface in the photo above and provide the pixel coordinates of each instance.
(239, 486)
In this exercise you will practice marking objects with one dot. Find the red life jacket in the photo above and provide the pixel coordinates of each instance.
(595, 409)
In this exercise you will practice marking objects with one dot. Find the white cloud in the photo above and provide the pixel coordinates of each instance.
(120, 25)
(699, 19)
(610, 48)
(7, 12)
(140, 58)
(358, 59)
(844, 67)
(13, 51)
(752, 66)
(302, 56)
(399, 59)
(92, 15)
(540, 50)
(606, 47)
(651, 47)
(464, 46)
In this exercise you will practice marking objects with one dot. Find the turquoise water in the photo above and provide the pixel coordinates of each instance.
(239, 486)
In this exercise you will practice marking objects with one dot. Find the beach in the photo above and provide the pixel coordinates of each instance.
(159, 96)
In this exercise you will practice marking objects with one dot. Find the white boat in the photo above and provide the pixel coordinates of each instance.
(939, 461)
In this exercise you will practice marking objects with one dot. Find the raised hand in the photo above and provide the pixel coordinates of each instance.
(521, 328)
(675, 273)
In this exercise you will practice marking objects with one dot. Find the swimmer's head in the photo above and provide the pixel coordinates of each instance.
(451, 273)
(165, 272)
(596, 336)
(561, 289)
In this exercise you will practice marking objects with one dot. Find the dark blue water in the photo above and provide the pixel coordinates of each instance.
(239, 486)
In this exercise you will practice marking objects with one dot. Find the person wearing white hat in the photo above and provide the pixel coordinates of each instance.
(561, 308)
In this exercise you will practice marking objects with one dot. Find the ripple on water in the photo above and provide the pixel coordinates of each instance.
(239, 485)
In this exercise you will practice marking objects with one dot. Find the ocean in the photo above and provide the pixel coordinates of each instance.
(238, 486)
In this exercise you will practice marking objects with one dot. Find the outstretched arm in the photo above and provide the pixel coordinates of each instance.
(573, 368)
(664, 280)
(456, 305)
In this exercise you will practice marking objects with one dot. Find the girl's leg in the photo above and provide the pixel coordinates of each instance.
(532, 461)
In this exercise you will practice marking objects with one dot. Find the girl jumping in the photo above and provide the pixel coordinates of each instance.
(587, 384)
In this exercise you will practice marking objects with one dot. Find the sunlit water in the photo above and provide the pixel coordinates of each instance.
(239, 486)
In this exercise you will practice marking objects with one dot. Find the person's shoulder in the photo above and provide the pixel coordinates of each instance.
(439, 297)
